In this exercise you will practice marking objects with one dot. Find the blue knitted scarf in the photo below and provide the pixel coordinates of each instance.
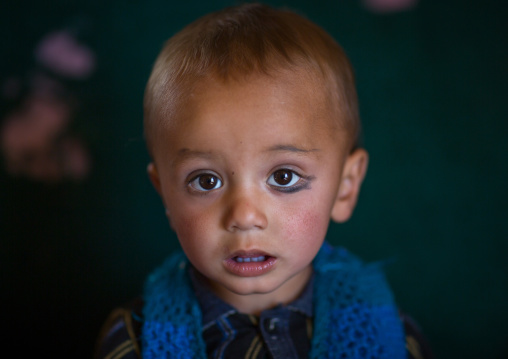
(354, 312)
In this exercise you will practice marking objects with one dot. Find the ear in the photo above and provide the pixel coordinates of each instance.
(353, 174)
(154, 177)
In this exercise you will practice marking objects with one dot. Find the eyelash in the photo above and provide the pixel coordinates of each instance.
(194, 181)
(302, 182)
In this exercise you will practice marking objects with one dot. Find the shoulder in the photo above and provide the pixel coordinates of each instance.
(119, 337)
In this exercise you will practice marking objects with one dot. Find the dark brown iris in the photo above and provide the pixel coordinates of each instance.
(282, 177)
(208, 181)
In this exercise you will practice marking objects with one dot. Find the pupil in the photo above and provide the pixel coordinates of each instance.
(282, 177)
(208, 181)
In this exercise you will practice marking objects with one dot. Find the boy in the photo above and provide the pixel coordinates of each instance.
(251, 120)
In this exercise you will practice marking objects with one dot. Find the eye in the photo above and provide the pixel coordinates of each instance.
(205, 182)
(283, 178)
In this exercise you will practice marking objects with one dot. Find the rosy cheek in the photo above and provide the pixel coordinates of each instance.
(188, 225)
(195, 224)
(306, 228)
(190, 235)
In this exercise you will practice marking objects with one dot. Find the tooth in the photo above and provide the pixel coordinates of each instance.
(250, 259)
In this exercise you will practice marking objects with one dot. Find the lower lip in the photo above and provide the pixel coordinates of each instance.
(250, 269)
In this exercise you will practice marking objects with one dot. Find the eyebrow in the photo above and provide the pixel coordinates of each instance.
(185, 154)
(291, 148)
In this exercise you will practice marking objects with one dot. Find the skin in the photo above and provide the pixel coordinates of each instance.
(256, 169)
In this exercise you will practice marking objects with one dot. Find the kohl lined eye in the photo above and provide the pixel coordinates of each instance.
(283, 178)
(205, 182)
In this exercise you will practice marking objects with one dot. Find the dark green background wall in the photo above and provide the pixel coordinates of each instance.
(433, 86)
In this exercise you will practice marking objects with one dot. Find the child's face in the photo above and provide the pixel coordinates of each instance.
(250, 175)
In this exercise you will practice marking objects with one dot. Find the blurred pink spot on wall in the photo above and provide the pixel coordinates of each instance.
(76, 159)
(34, 141)
(34, 124)
(61, 52)
(388, 6)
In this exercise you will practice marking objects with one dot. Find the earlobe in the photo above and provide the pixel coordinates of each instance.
(352, 177)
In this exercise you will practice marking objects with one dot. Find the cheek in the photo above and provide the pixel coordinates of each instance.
(192, 234)
(186, 227)
(306, 228)
(190, 225)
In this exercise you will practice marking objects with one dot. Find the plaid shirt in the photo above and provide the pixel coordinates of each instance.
(281, 332)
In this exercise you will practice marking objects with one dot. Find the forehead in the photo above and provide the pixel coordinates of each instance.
(291, 108)
(299, 94)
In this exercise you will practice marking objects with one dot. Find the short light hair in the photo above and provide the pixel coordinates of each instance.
(241, 41)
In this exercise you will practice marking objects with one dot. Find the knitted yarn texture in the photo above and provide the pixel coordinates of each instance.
(354, 312)
(172, 326)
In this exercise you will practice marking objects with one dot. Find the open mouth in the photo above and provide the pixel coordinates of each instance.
(251, 264)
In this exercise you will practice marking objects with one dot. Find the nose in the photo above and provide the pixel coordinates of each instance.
(245, 212)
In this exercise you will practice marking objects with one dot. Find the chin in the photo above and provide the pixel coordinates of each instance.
(258, 287)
